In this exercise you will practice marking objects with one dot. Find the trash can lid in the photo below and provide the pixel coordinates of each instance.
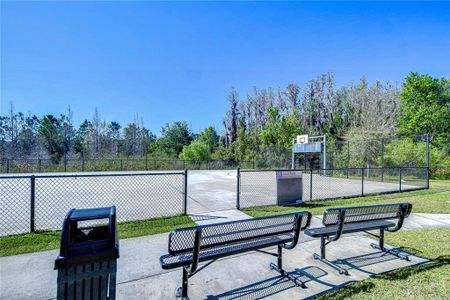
(90, 213)
(94, 242)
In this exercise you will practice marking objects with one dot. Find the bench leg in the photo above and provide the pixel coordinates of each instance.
(381, 247)
(182, 291)
(323, 259)
(279, 268)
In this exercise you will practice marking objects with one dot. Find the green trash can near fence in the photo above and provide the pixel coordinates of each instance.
(87, 263)
(289, 187)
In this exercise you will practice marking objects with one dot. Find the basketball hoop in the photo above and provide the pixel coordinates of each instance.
(302, 139)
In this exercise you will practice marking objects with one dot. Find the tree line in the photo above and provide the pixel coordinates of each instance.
(264, 117)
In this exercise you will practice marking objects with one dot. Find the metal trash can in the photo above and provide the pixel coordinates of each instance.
(88, 255)
(289, 187)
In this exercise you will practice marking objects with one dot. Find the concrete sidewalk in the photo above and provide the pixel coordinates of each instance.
(31, 276)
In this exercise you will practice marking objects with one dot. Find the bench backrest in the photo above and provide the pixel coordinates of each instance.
(183, 239)
(366, 213)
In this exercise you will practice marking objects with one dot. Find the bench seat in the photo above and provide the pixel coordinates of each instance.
(184, 259)
(190, 246)
(348, 228)
(342, 220)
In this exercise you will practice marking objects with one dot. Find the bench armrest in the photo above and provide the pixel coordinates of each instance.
(341, 221)
(403, 211)
(195, 251)
(298, 228)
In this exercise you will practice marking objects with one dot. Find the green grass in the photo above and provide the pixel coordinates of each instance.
(428, 281)
(40, 241)
(434, 200)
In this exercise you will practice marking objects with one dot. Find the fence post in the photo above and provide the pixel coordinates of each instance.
(382, 160)
(32, 200)
(185, 191)
(362, 181)
(65, 164)
(400, 179)
(238, 189)
(348, 156)
(310, 183)
(121, 164)
(7, 165)
(82, 164)
(427, 138)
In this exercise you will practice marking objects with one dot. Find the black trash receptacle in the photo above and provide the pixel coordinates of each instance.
(88, 255)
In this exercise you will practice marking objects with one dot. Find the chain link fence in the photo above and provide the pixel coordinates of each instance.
(115, 164)
(259, 187)
(33, 203)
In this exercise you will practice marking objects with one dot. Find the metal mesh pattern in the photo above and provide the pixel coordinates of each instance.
(381, 180)
(259, 187)
(182, 240)
(185, 258)
(337, 183)
(137, 197)
(413, 178)
(14, 205)
(362, 213)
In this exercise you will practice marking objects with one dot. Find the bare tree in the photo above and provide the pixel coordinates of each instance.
(231, 120)
(292, 94)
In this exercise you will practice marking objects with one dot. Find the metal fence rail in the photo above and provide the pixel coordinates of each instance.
(258, 187)
(114, 164)
(31, 203)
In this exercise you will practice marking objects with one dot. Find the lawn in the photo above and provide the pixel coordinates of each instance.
(434, 200)
(429, 281)
(40, 241)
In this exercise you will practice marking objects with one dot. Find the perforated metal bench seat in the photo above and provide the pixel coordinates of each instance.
(191, 245)
(184, 259)
(348, 228)
(339, 221)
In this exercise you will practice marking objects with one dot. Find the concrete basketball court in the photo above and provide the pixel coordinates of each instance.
(210, 191)
(144, 197)
(216, 190)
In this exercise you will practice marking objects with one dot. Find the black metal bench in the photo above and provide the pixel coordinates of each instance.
(192, 245)
(338, 221)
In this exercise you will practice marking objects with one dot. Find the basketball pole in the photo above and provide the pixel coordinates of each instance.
(324, 152)
(293, 155)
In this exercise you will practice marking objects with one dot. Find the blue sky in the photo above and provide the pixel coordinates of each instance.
(177, 61)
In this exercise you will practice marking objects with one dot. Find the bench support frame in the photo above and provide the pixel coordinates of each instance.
(182, 291)
(381, 247)
(322, 257)
(403, 212)
(279, 268)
